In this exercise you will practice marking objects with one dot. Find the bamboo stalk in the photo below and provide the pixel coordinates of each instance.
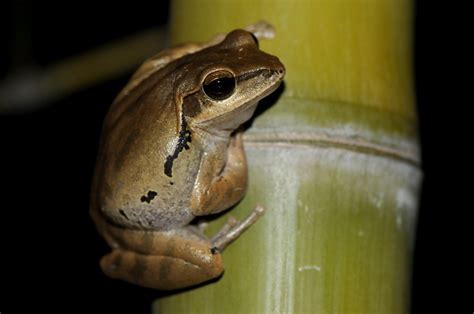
(335, 162)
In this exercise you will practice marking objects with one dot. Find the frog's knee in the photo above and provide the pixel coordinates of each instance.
(160, 272)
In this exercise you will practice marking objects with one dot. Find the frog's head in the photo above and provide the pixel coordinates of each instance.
(228, 80)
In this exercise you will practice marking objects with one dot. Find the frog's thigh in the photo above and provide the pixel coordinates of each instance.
(181, 263)
(157, 272)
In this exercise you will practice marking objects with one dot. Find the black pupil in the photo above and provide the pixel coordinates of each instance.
(220, 88)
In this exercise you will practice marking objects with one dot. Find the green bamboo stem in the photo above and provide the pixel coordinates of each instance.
(334, 161)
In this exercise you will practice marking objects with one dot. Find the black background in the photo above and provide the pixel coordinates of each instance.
(49, 247)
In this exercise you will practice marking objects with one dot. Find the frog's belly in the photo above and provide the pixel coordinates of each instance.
(152, 214)
(158, 219)
(161, 204)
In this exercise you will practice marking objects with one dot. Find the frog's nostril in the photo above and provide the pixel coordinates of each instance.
(279, 72)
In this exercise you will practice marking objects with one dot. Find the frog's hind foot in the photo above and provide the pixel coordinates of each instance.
(233, 229)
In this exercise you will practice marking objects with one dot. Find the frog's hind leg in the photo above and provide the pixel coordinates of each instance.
(162, 260)
(233, 229)
(159, 272)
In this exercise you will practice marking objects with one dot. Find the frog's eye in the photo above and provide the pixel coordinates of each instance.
(219, 85)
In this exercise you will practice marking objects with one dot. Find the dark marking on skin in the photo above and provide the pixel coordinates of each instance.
(214, 250)
(123, 214)
(171, 182)
(149, 197)
(184, 137)
(139, 267)
(150, 221)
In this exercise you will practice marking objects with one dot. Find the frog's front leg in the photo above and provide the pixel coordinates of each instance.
(162, 260)
(215, 193)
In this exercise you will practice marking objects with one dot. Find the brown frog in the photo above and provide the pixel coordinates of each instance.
(170, 153)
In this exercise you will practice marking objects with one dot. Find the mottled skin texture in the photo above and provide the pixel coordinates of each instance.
(169, 153)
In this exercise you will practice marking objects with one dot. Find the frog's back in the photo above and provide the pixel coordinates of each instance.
(140, 182)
